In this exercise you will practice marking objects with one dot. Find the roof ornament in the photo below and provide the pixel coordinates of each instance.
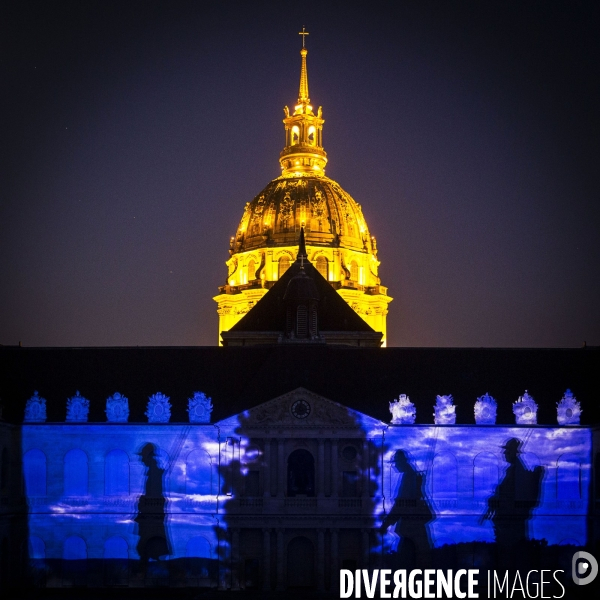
(525, 410)
(445, 411)
(485, 410)
(35, 409)
(568, 410)
(78, 409)
(159, 408)
(403, 411)
(199, 408)
(117, 408)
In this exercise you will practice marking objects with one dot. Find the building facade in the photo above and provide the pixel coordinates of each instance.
(285, 494)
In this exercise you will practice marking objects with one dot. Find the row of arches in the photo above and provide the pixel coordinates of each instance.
(200, 476)
(487, 472)
(116, 547)
(310, 135)
(321, 263)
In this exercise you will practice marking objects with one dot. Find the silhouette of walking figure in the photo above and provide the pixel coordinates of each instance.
(411, 512)
(511, 505)
(151, 515)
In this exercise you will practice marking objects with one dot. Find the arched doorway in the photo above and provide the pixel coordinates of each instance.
(301, 473)
(301, 563)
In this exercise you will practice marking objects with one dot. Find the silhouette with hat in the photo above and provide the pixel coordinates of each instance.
(151, 515)
(411, 513)
(516, 496)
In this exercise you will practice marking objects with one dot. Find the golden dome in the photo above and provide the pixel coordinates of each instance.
(338, 242)
(329, 215)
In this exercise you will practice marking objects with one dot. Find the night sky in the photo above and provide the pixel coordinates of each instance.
(133, 133)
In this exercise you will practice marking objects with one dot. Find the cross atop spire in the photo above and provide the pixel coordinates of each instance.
(303, 33)
(303, 93)
(302, 254)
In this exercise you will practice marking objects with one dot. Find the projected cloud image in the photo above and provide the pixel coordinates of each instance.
(288, 493)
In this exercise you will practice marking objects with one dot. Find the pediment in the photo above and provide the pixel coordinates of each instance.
(302, 408)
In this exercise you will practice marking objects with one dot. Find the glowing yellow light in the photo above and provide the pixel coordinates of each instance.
(303, 153)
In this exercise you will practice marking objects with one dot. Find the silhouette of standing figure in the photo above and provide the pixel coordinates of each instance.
(151, 516)
(411, 512)
(512, 503)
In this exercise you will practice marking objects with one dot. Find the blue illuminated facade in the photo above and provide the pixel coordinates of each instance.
(287, 493)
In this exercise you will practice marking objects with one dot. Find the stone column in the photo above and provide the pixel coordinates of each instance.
(281, 468)
(365, 547)
(335, 476)
(235, 558)
(280, 561)
(321, 468)
(266, 570)
(335, 559)
(320, 560)
(267, 469)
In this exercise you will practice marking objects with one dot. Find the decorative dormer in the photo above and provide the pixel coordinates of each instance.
(301, 302)
(303, 152)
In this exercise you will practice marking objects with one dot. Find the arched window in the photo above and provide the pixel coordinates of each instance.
(198, 473)
(34, 467)
(198, 547)
(251, 270)
(198, 555)
(322, 266)
(284, 265)
(76, 473)
(353, 271)
(301, 473)
(312, 138)
(4, 470)
(116, 473)
(295, 135)
(445, 474)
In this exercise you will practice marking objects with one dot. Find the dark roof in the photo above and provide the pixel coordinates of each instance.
(334, 313)
(238, 378)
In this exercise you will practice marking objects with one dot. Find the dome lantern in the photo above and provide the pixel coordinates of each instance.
(303, 152)
(337, 238)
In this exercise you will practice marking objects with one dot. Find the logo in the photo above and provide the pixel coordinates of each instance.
(584, 568)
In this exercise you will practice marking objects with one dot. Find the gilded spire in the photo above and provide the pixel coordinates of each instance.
(303, 152)
(303, 97)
